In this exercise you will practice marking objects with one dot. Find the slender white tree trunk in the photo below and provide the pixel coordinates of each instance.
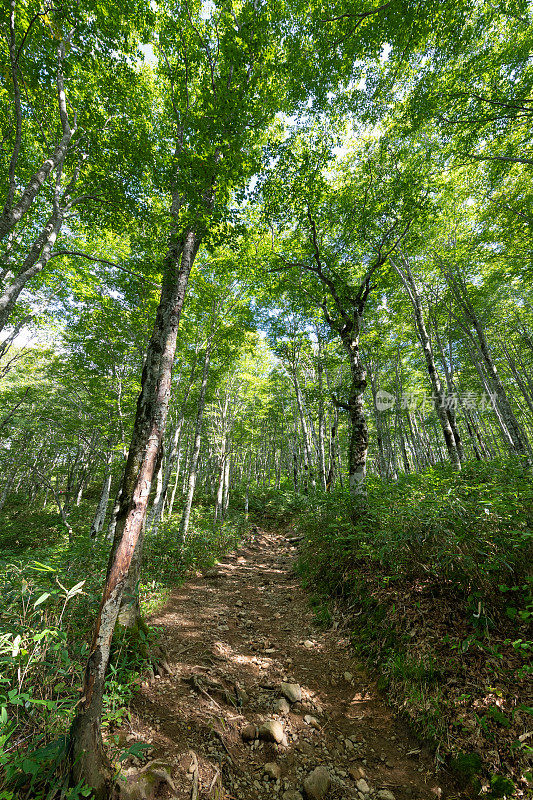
(193, 466)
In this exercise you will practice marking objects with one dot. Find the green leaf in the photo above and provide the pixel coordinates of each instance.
(135, 750)
(75, 590)
(41, 599)
(30, 767)
(39, 567)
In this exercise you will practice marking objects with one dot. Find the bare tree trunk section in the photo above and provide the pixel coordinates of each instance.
(321, 419)
(89, 762)
(406, 277)
(305, 429)
(518, 440)
(193, 465)
(450, 409)
(99, 517)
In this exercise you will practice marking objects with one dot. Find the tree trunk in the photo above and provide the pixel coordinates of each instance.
(225, 500)
(193, 466)
(405, 275)
(372, 374)
(88, 759)
(450, 409)
(219, 512)
(36, 260)
(99, 517)
(176, 481)
(305, 429)
(157, 509)
(173, 456)
(321, 420)
(9, 483)
(518, 439)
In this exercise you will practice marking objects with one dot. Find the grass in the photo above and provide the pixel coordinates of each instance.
(49, 595)
(436, 574)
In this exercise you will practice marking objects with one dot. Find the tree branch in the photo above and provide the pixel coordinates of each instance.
(104, 261)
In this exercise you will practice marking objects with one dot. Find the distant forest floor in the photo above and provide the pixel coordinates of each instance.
(221, 720)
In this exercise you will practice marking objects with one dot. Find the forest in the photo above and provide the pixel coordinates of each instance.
(266, 399)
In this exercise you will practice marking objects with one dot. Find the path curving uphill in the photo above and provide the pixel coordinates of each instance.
(259, 703)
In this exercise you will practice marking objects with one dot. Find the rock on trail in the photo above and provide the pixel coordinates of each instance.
(261, 703)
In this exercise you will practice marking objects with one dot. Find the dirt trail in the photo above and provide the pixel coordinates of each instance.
(233, 635)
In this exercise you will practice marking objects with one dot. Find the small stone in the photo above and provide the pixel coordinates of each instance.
(312, 721)
(363, 786)
(271, 731)
(308, 644)
(146, 784)
(348, 677)
(292, 795)
(384, 794)
(317, 784)
(249, 732)
(307, 747)
(292, 691)
(273, 770)
(281, 706)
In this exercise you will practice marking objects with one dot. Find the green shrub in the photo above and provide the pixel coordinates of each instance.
(437, 568)
(48, 602)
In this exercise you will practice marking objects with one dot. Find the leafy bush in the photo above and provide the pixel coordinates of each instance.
(48, 600)
(438, 569)
(473, 528)
(39, 665)
(273, 505)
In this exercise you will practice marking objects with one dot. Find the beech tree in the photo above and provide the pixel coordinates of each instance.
(65, 108)
(223, 65)
(360, 219)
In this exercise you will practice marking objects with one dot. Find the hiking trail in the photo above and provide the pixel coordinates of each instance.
(259, 698)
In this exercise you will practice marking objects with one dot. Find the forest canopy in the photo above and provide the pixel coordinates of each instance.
(265, 261)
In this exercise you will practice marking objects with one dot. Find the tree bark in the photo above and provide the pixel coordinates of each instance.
(193, 466)
(99, 517)
(321, 417)
(38, 257)
(439, 397)
(517, 437)
(89, 762)
(305, 428)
